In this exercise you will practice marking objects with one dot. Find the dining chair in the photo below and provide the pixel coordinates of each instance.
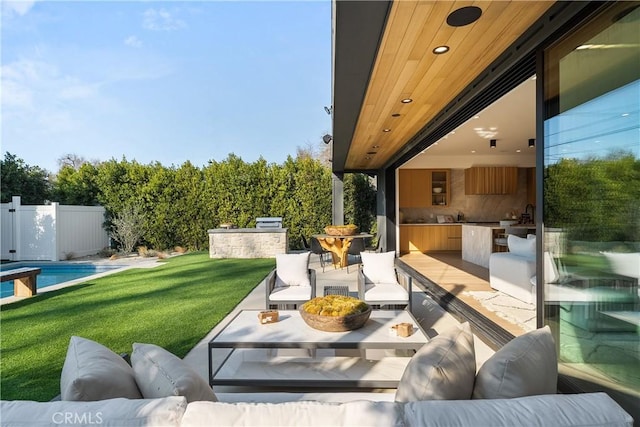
(317, 249)
(355, 249)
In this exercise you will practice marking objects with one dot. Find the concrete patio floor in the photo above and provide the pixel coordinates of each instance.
(431, 317)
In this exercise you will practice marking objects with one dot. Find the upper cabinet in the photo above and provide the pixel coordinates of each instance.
(491, 180)
(440, 188)
(423, 188)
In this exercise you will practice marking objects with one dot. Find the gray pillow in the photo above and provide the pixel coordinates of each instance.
(93, 372)
(160, 373)
(443, 369)
(526, 366)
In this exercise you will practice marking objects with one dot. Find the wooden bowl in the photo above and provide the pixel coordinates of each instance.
(335, 323)
(340, 230)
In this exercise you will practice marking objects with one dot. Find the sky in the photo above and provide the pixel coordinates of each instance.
(163, 81)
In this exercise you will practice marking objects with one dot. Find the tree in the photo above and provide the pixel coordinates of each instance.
(76, 186)
(127, 227)
(31, 183)
(359, 201)
(71, 160)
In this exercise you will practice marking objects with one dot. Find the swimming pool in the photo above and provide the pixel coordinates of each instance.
(54, 274)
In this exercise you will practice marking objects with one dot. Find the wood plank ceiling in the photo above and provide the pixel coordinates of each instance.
(406, 67)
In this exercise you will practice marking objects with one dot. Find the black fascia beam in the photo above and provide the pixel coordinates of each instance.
(358, 27)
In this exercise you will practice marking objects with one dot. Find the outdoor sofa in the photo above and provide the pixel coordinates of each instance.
(440, 387)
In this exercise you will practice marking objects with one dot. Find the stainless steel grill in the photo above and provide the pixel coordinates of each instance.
(269, 222)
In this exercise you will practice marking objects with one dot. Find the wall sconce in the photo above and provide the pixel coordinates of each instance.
(532, 143)
(492, 143)
(327, 138)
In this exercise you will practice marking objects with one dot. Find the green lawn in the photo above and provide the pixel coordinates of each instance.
(173, 305)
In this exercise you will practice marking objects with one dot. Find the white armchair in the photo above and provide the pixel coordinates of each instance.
(380, 283)
(292, 282)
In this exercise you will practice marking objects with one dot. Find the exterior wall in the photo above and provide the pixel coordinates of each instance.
(51, 232)
(248, 242)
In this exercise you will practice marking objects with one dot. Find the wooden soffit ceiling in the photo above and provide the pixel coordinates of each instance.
(405, 67)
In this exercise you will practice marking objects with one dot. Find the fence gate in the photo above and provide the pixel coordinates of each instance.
(7, 231)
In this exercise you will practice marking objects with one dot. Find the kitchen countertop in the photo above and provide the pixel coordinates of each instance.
(497, 225)
(431, 223)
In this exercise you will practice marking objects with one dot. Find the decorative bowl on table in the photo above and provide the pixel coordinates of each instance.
(335, 313)
(341, 230)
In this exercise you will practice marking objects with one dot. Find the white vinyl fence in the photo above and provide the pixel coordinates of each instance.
(51, 232)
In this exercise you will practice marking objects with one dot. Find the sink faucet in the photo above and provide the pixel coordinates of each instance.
(533, 211)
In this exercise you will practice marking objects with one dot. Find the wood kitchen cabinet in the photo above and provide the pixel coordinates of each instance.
(423, 188)
(427, 238)
(491, 180)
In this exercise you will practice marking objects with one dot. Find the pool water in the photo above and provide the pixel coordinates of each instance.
(54, 274)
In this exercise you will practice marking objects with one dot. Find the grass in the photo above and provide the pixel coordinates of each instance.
(173, 305)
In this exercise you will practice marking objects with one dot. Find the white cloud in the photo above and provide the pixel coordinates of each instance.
(161, 20)
(17, 7)
(133, 41)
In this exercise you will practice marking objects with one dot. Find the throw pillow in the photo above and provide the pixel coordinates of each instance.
(521, 246)
(526, 366)
(443, 369)
(160, 373)
(379, 267)
(93, 372)
(292, 270)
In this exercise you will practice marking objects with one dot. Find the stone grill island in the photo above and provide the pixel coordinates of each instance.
(247, 242)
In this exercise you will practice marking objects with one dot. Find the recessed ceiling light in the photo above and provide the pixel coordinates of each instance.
(464, 16)
(376, 146)
(517, 151)
(386, 130)
(453, 132)
(395, 115)
(476, 117)
(439, 50)
(407, 100)
(435, 143)
(473, 151)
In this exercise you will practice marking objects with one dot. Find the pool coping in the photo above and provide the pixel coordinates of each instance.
(123, 263)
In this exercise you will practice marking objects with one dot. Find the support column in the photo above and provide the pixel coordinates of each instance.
(337, 198)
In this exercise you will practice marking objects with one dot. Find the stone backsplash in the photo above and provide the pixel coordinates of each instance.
(474, 207)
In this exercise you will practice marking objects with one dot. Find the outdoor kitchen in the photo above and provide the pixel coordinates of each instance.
(266, 240)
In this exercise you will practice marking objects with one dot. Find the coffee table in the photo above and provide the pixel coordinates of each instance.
(252, 357)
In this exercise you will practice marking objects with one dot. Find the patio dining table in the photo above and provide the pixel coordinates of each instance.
(339, 246)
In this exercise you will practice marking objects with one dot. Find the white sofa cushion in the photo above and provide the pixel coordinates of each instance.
(385, 292)
(379, 267)
(160, 373)
(511, 274)
(290, 293)
(119, 412)
(91, 371)
(525, 366)
(522, 246)
(592, 409)
(357, 413)
(444, 368)
(292, 269)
